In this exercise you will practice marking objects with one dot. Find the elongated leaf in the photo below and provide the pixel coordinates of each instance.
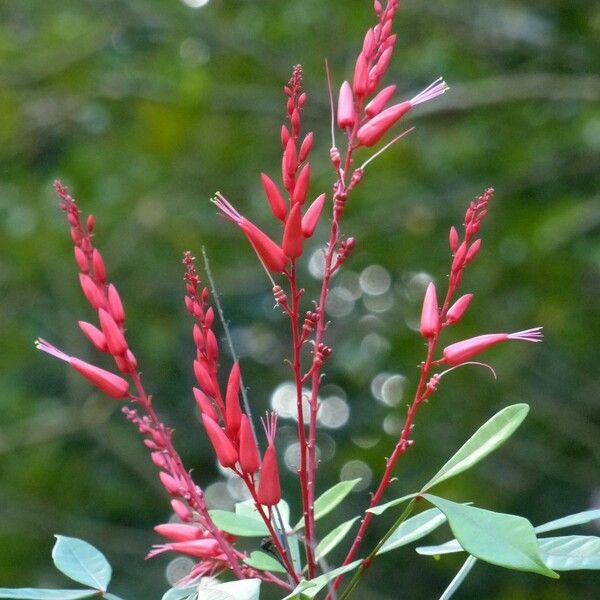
(111, 597)
(264, 562)
(571, 552)
(459, 578)
(245, 589)
(310, 588)
(42, 594)
(446, 548)
(504, 540)
(414, 529)
(490, 436)
(377, 510)
(571, 520)
(333, 538)
(181, 593)
(329, 499)
(580, 518)
(240, 525)
(81, 562)
(248, 509)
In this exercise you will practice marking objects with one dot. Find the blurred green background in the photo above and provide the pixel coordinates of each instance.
(145, 108)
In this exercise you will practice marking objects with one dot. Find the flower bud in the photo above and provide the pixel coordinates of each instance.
(115, 340)
(378, 103)
(312, 215)
(457, 310)
(306, 147)
(226, 453)
(249, 457)
(430, 319)
(346, 114)
(293, 237)
(233, 413)
(274, 197)
(95, 336)
(301, 185)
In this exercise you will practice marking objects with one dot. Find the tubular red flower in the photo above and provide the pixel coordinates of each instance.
(378, 103)
(457, 310)
(99, 266)
(274, 197)
(312, 215)
(226, 453)
(430, 317)
(346, 114)
(205, 406)
(269, 488)
(115, 340)
(249, 456)
(290, 157)
(293, 237)
(306, 146)
(203, 378)
(461, 351)
(91, 291)
(81, 259)
(372, 131)
(361, 76)
(181, 510)
(172, 485)
(115, 305)
(233, 414)
(204, 549)
(453, 239)
(301, 185)
(109, 383)
(95, 336)
(178, 532)
(271, 255)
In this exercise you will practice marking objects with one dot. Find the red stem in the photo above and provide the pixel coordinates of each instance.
(299, 380)
(402, 445)
(194, 494)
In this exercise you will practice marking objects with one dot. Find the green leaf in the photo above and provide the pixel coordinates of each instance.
(459, 578)
(111, 597)
(310, 588)
(414, 529)
(245, 589)
(504, 540)
(333, 538)
(41, 594)
(264, 562)
(248, 509)
(240, 525)
(446, 548)
(81, 562)
(577, 519)
(377, 510)
(181, 593)
(329, 499)
(571, 552)
(491, 435)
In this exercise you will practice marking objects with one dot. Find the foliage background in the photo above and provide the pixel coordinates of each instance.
(145, 108)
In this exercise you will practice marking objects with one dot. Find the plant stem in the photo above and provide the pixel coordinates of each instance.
(367, 561)
(302, 471)
(194, 494)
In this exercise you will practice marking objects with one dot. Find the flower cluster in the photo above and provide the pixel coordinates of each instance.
(365, 113)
